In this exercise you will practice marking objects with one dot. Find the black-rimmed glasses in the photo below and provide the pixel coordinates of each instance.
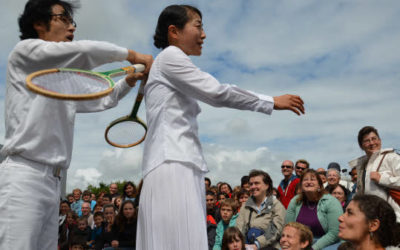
(66, 19)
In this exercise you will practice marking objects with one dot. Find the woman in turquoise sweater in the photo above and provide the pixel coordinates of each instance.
(316, 209)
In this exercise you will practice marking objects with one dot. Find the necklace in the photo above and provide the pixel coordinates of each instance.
(311, 205)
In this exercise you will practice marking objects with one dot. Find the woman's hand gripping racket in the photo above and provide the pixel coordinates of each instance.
(128, 131)
(76, 84)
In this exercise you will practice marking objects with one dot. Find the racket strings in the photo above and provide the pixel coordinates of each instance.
(126, 133)
(71, 83)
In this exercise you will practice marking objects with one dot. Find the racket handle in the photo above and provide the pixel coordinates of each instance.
(129, 69)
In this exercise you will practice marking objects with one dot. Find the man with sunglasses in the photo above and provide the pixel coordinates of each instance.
(39, 130)
(287, 186)
(300, 166)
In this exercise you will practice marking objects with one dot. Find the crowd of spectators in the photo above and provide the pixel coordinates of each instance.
(308, 209)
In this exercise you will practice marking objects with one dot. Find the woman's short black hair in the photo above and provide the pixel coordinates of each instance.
(39, 11)
(365, 131)
(177, 15)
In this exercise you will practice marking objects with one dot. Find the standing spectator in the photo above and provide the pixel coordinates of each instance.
(287, 186)
(369, 223)
(228, 219)
(76, 205)
(64, 208)
(124, 227)
(129, 192)
(300, 166)
(113, 190)
(353, 189)
(369, 180)
(261, 219)
(296, 236)
(316, 209)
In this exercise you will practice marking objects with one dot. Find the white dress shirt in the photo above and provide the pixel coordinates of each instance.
(39, 128)
(173, 88)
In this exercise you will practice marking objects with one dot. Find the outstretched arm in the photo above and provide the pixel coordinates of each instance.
(289, 102)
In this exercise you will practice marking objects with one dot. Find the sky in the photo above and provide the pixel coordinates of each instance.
(339, 56)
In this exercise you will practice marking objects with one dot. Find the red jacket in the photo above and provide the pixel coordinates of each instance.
(287, 194)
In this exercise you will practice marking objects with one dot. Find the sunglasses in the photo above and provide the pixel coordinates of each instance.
(286, 166)
(297, 167)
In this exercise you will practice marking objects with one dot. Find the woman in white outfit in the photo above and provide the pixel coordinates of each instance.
(172, 212)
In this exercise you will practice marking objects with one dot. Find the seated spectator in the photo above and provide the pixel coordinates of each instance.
(317, 210)
(97, 208)
(244, 182)
(213, 214)
(124, 227)
(341, 193)
(65, 230)
(129, 192)
(336, 179)
(261, 218)
(296, 236)
(98, 228)
(86, 195)
(81, 233)
(76, 205)
(117, 202)
(107, 198)
(86, 213)
(207, 182)
(211, 232)
(322, 174)
(70, 199)
(243, 196)
(104, 240)
(220, 198)
(64, 208)
(78, 246)
(233, 239)
(225, 188)
(369, 223)
(228, 219)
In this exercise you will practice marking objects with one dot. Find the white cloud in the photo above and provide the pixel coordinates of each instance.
(340, 56)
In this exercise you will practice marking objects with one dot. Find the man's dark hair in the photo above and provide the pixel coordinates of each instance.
(244, 180)
(37, 11)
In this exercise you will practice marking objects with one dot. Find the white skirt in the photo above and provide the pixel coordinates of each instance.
(172, 209)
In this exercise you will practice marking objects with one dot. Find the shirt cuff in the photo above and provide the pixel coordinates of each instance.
(257, 244)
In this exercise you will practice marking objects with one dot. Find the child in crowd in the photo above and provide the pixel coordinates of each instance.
(228, 219)
(233, 239)
(82, 232)
(124, 227)
(98, 218)
(78, 246)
